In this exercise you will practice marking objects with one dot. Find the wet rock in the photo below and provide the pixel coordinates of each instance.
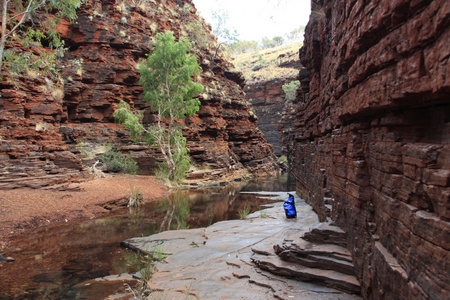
(125, 286)
(219, 261)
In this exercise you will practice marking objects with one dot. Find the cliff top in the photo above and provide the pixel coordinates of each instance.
(269, 64)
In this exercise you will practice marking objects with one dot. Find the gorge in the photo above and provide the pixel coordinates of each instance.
(367, 137)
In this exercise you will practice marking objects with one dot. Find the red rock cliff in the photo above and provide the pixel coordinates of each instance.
(40, 128)
(372, 138)
(266, 71)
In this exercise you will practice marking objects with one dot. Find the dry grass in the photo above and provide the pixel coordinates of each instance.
(264, 64)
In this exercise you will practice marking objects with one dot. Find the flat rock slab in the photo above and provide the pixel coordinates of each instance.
(216, 262)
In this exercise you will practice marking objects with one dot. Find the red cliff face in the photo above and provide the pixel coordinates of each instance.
(41, 127)
(372, 139)
(266, 71)
(267, 99)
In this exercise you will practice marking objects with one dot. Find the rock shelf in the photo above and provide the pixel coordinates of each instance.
(230, 259)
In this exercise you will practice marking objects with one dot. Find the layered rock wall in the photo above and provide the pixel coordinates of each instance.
(268, 102)
(272, 68)
(43, 124)
(371, 143)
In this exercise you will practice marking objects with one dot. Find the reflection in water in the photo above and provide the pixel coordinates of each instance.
(177, 209)
(54, 262)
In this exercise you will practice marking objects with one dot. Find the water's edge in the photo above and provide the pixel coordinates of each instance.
(63, 260)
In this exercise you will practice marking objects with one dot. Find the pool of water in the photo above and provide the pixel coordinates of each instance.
(60, 260)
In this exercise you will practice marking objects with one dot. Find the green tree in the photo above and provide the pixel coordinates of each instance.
(296, 34)
(290, 90)
(166, 77)
(242, 47)
(269, 43)
(17, 24)
(224, 34)
(278, 41)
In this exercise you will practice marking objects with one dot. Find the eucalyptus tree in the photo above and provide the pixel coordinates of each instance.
(169, 91)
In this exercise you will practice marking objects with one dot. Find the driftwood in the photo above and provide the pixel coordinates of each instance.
(97, 172)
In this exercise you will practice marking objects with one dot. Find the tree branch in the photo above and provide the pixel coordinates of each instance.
(22, 20)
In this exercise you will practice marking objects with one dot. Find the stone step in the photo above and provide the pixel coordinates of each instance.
(329, 278)
(318, 261)
(327, 233)
(321, 256)
(309, 248)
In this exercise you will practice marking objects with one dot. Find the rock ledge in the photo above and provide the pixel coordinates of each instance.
(221, 261)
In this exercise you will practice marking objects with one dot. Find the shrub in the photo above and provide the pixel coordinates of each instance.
(283, 159)
(115, 161)
(290, 89)
(262, 213)
(136, 196)
(197, 34)
(242, 46)
(18, 26)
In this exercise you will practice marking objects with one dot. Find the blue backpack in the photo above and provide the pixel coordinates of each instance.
(289, 207)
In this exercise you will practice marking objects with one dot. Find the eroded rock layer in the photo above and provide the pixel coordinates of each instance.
(43, 125)
(268, 103)
(370, 146)
(266, 71)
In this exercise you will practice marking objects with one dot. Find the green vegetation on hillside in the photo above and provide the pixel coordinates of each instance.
(229, 37)
(19, 24)
(265, 64)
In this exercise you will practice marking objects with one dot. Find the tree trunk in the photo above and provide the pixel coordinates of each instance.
(3, 40)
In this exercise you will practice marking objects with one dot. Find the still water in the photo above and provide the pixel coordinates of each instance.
(60, 261)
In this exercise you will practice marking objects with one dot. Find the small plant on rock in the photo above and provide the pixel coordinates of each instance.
(262, 213)
(159, 254)
(243, 213)
(283, 159)
(197, 34)
(141, 291)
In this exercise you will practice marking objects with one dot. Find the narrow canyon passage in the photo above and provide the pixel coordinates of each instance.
(354, 105)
